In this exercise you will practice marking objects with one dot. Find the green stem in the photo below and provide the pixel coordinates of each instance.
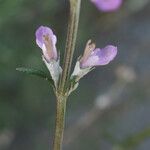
(62, 94)
(60, 121)
(70, 41)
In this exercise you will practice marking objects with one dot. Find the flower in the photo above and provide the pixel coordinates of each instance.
(97, 57)
(107, 5)
(92, 57)
(46, 40)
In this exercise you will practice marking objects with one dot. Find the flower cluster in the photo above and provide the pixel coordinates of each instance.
(92, 56)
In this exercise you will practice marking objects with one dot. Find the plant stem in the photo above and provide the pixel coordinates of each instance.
(60, 121)
(62, 94)
(70, 41)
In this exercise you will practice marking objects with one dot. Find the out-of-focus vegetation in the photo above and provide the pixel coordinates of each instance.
(27, 104)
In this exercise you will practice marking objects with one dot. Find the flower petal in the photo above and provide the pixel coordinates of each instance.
(100, 57)
(46, 31)
(107, 5)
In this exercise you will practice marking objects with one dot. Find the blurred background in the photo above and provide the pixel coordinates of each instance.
(110, 109)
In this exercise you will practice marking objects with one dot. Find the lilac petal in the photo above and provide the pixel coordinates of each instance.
(100, 57)
(40, 33)
(107, 5)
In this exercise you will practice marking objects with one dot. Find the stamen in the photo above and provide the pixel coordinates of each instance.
(49, 45)
(88, 50)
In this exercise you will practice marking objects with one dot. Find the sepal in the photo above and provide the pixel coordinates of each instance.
(54, 69)
(79, 72)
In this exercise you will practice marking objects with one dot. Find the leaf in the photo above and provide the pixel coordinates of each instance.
(36, 72)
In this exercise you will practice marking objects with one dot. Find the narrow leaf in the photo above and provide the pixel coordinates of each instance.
(36, 72)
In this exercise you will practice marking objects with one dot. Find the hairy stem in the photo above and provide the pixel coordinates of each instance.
(61, 93)
(60, 121)
(70, 41)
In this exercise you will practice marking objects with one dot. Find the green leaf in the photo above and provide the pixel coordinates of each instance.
(35, 72)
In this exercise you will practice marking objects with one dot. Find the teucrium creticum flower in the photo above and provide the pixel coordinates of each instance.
(93, 57)
(46, 40)
(107, 5)
(97, 57)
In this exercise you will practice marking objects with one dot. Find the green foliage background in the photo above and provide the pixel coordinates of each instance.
(27, 104)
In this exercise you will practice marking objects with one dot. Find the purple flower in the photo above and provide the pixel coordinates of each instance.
(46, 40)
(97, 57)
(107, 5)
